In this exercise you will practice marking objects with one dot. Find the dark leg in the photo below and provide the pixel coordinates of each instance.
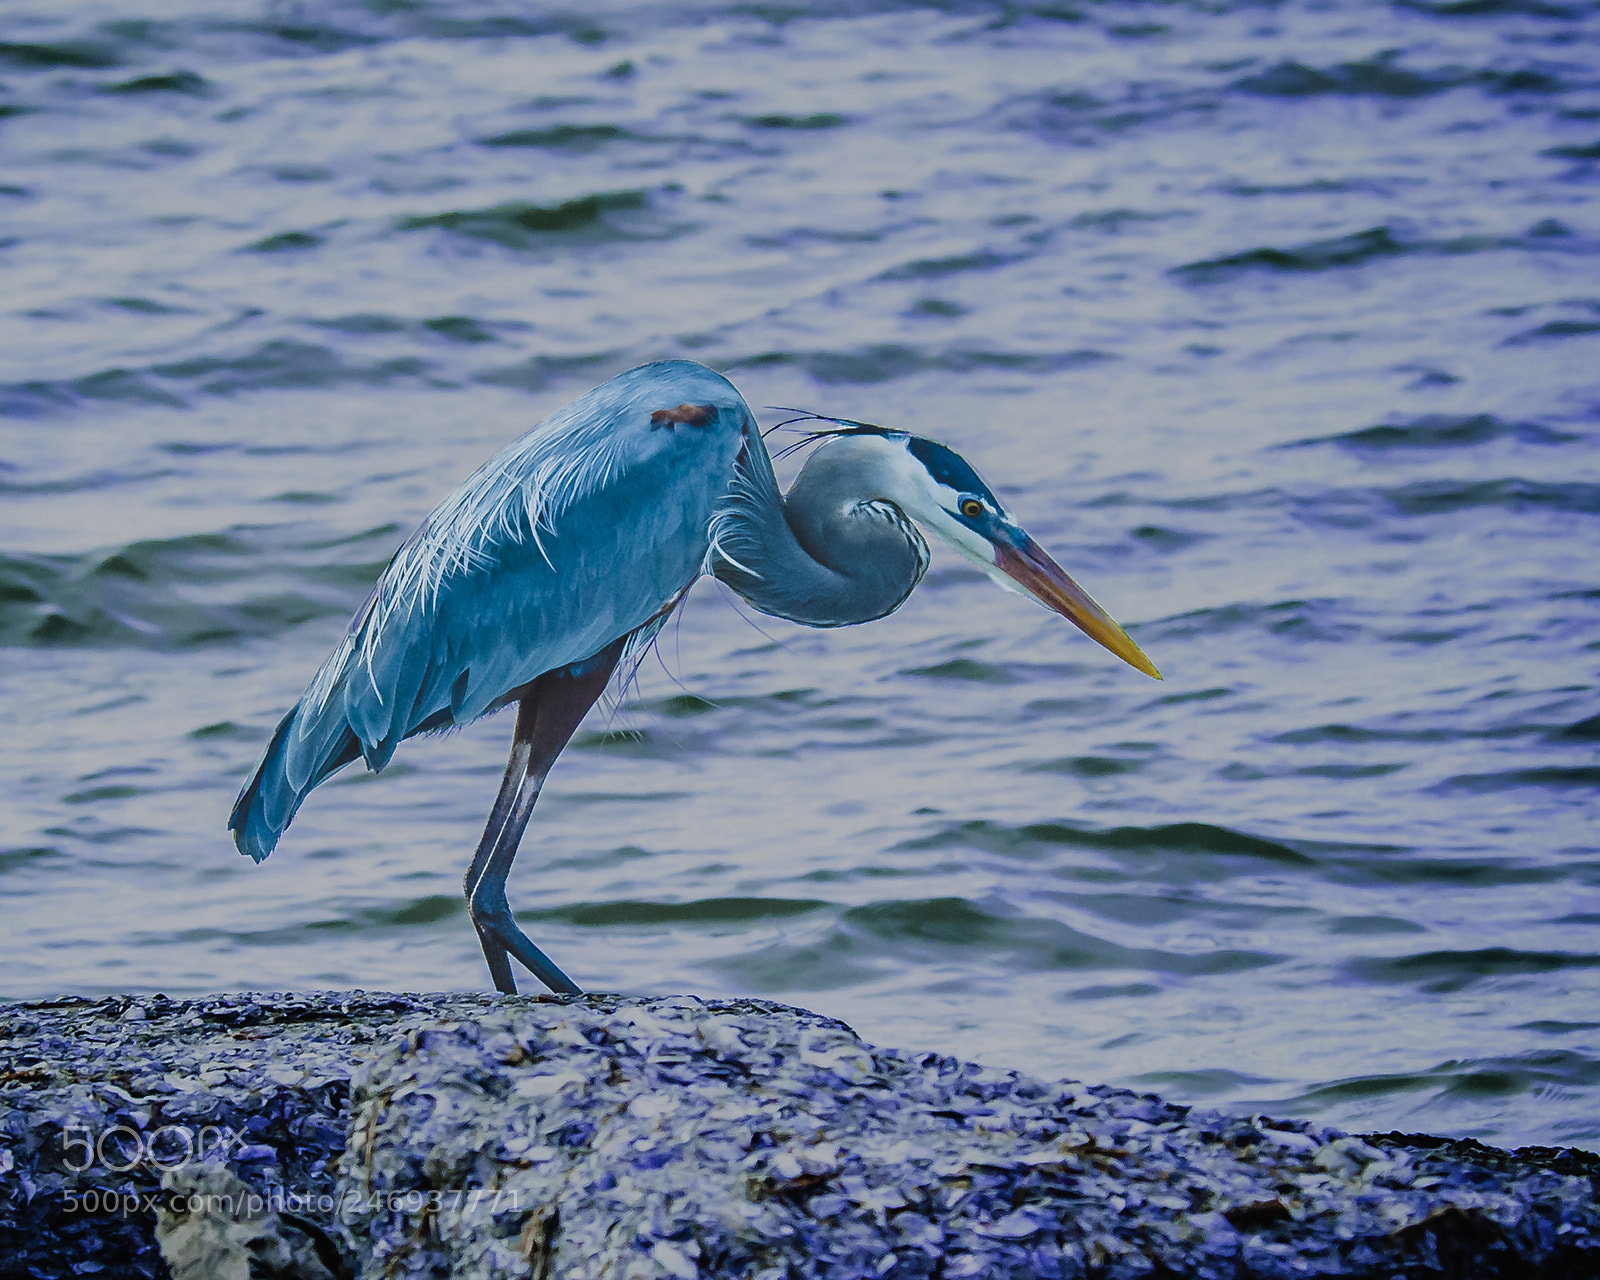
(516, 772)
(547, 716)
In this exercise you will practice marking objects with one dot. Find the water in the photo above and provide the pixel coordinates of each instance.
(1278, 324)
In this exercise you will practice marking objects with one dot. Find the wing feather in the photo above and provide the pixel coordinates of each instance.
(584, 530)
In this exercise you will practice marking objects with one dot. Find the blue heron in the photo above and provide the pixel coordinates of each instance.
(561, 558)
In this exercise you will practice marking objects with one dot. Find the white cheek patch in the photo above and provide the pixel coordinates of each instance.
(910, 486)
(947, 498)
(938, 520)
(974, 546)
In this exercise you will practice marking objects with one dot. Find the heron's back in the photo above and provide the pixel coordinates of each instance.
(582, 531)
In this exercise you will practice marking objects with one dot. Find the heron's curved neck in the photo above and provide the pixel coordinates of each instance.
(836, 550)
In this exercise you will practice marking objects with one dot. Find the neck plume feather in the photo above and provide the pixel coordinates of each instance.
(833, 552)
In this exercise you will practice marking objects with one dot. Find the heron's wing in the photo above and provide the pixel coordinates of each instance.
(581, 532)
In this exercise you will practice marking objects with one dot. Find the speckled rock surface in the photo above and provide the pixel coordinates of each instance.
(604, 1137)
(212, 1225)
(99, 1100)
(673, 1138)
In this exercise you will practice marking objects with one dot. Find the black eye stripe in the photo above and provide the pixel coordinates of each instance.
(948, 468)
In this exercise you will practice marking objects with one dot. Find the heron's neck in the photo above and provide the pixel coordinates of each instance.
(835, 551)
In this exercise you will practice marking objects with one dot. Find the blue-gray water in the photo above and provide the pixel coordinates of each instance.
(1280, 325)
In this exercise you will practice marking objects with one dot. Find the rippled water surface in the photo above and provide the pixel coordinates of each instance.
(1279, 324)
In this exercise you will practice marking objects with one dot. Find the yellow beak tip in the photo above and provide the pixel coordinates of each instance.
(1134, 656)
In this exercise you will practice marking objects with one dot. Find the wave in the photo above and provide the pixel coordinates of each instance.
(1301, 621)
(1497, 8)
(60, 55)
(276, 364)
(1582, 731)
(290, 363)
(1202, 1082)
(1440, 431)
(1440, 497)
(300, 30)
(1554, 329)
(1184, 839)
(1501, 1076)
(1575, 152)
(884, 362)
(1355, 735)
(184, 82)
(520, 224)
(645, 743)
(1077, 118)
(996, 673)
(212, 588)
(286, 242)
(1393, 865)
(453, 328)
(954, 264)
(538, 372)
(1381, 76)
(1351, 507)
(861, 941)
(816, 120)
(1439, 972)
(580, 138)
(1089, 766)
(1585, 777)
(1389, 240)
(403, 913)
(702, 911)
(26, 856)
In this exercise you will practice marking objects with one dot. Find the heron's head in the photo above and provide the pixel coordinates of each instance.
(938, 488)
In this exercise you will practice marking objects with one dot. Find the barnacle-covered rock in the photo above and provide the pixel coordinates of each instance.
(681, 1138)
(605, 1137)
(99, 1100)
(212, 1225)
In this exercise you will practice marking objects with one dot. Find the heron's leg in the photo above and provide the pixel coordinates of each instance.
(547, 717)
(516, 773)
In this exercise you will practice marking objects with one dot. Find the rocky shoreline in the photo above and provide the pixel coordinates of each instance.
(339, 1134)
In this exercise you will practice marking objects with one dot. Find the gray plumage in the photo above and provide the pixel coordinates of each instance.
(562, 556)
(834, 552)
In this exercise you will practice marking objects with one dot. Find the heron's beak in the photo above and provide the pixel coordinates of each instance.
(1027, 564)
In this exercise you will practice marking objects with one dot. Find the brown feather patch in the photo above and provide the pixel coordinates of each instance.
(696, 415)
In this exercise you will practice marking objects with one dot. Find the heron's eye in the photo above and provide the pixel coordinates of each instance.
(971, 508)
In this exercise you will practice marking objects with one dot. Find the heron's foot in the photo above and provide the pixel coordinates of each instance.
(500, 937)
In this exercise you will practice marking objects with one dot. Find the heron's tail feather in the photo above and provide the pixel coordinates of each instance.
(307, 747)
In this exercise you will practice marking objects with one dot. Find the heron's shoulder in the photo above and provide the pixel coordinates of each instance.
(671, 426)
(641, 411)
(662, 415)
